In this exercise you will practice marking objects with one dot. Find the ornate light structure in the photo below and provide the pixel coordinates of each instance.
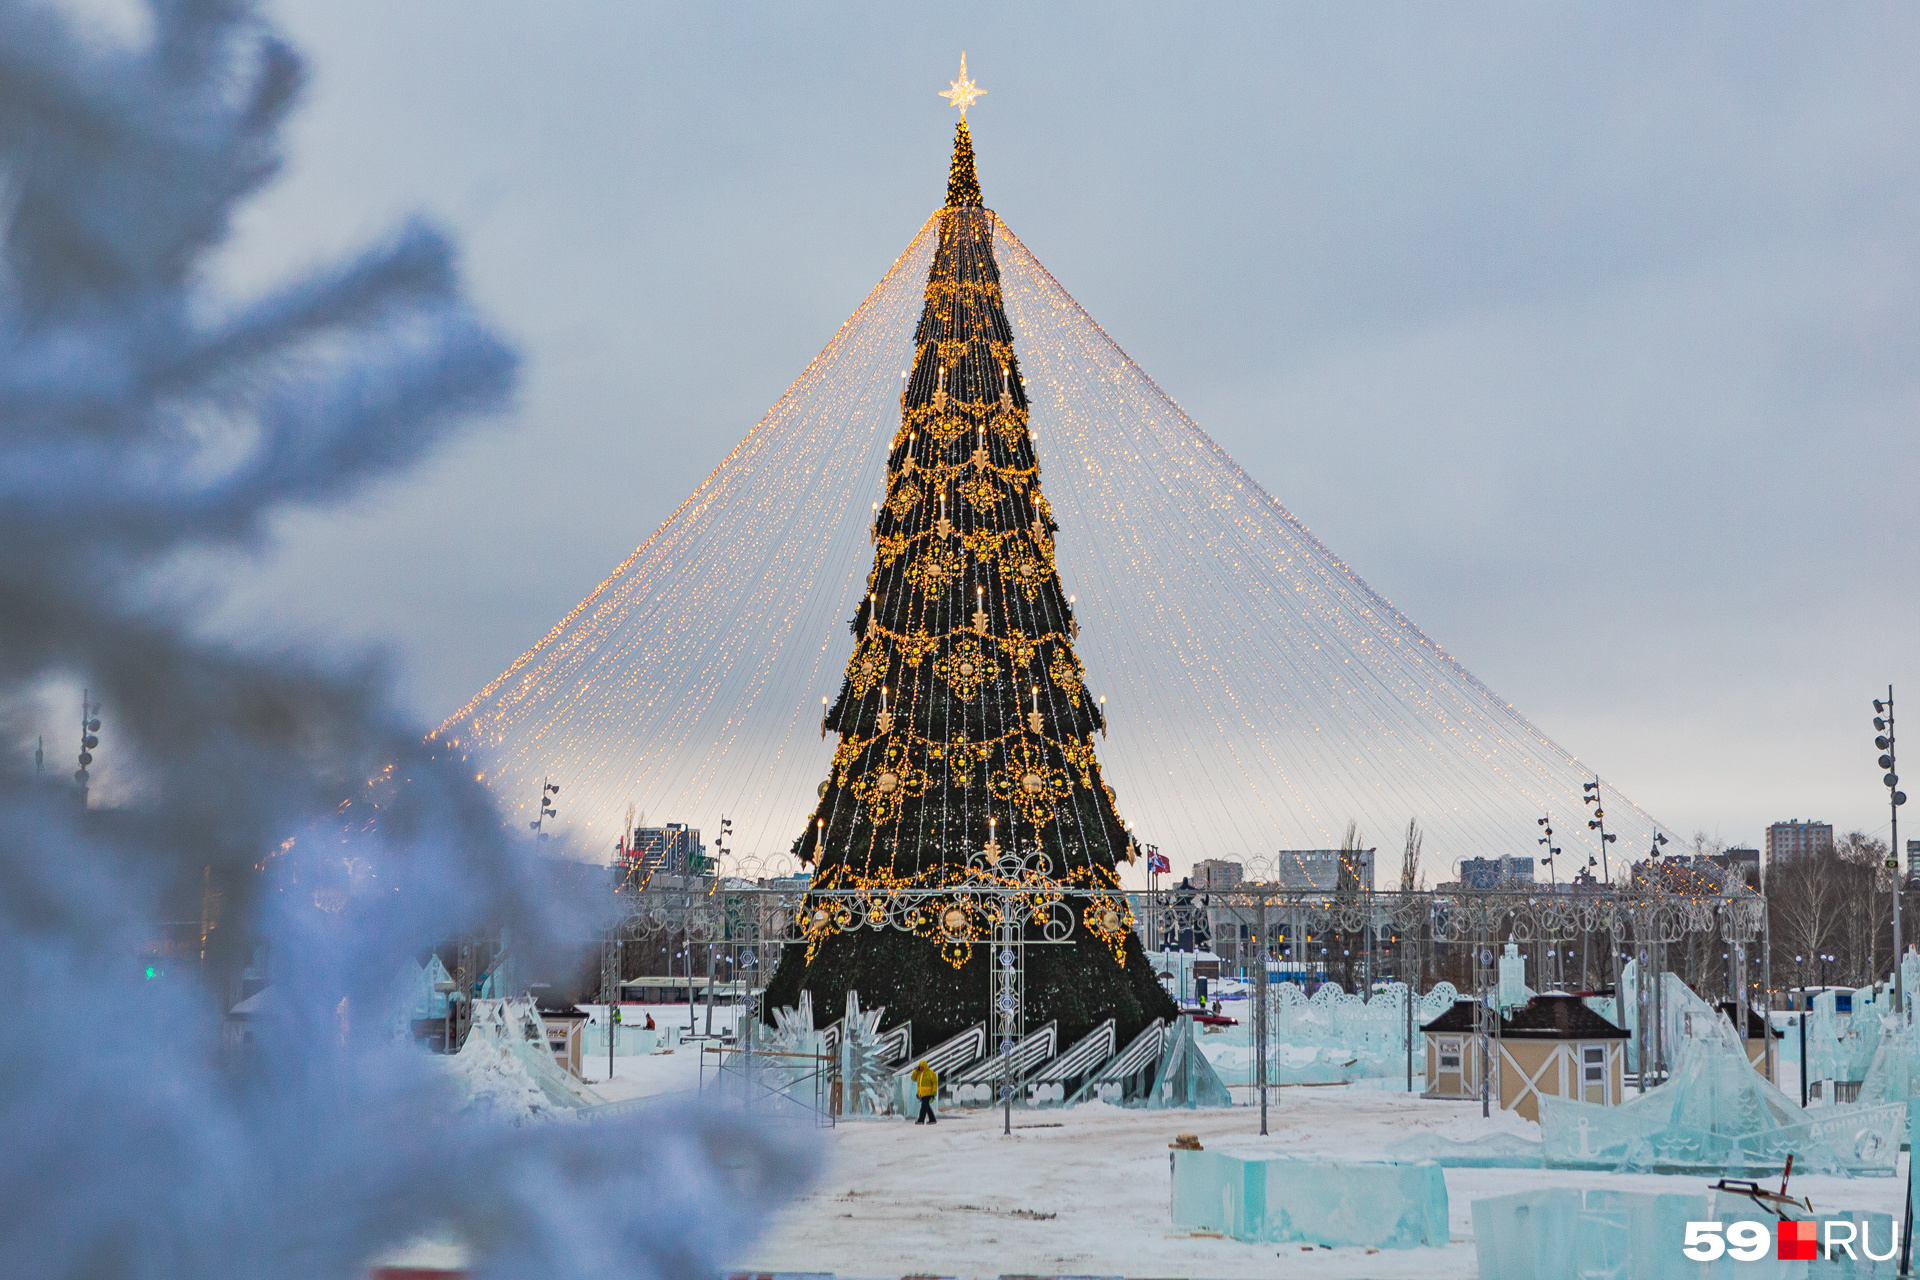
(964, 92)
(965, 756)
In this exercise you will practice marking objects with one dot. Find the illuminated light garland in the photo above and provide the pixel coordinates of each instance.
(957, 922)
(1268, 694)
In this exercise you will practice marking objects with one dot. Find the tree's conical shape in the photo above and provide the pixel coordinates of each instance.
(965, 724)
(963, 185)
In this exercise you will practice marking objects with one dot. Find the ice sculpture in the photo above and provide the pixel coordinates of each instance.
(1562, 1234)
(1514, 991)
(1494, 1151)
(1842, 1044)
(791, 1051)
(433, 1002)
(1332, 1038)
(1683, 1016)
(866, 1074)
(1185, 1078)
(1062, 1078)
(508, 1072)
(1856, 1035)
(1127, 1078)
(1718, 1115)
(1378, 1203)
(1894, 1074)
(981, 1084)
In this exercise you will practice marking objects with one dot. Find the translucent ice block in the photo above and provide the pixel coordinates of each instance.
(1514, 991)
(1494, 1151)
(1378, 1203)
(1894, 1075)
(1523, 1235)
(1185, 1077)
(1561, 1234)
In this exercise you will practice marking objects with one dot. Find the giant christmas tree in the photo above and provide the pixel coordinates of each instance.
(965, 724)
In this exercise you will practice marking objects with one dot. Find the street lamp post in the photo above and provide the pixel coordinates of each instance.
(1803, 1059)
(687, 955)
(548, 790)
(89, 727)
(447, 989)
(1598, 823)
(1883, 721)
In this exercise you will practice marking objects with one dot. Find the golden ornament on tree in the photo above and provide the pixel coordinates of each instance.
(965, 669)
(868, 668)
(934, 571)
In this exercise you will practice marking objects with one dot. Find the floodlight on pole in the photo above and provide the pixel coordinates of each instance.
(1591, 795)
(89, 727)
(545, 808)
(1889, 761)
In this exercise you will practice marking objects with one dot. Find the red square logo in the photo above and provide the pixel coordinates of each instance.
(1795, 1241)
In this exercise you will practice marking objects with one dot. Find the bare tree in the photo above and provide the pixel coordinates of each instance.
(1863, 858)
(1410, 859)
(1349, 879)
(1349, 885)
(1829, 903)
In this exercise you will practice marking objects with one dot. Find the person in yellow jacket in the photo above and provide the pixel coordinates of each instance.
(927, 1083)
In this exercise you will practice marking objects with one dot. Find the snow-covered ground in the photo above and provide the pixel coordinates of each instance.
(666, 1070)
(1085, 1191)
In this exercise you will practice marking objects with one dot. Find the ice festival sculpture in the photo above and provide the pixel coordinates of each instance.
(787, 1063)
(1842, 1046)
(865, 1060)
(1185, 1077)
(1718, 1115)
(796, 1061)
(1894, 1076)
(1684, 1016)
(414, 997)
(1331, 1038)
(507, 1072)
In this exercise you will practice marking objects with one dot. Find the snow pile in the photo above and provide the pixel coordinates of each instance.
(506, 1072)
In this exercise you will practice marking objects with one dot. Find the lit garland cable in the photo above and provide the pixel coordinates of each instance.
(683, 682)
(1261, 693)
(1266, 690)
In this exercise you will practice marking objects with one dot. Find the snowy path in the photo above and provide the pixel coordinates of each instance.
(651, 1075)
(1086, 1191)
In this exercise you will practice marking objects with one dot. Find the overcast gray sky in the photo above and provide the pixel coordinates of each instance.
(1586, 334)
